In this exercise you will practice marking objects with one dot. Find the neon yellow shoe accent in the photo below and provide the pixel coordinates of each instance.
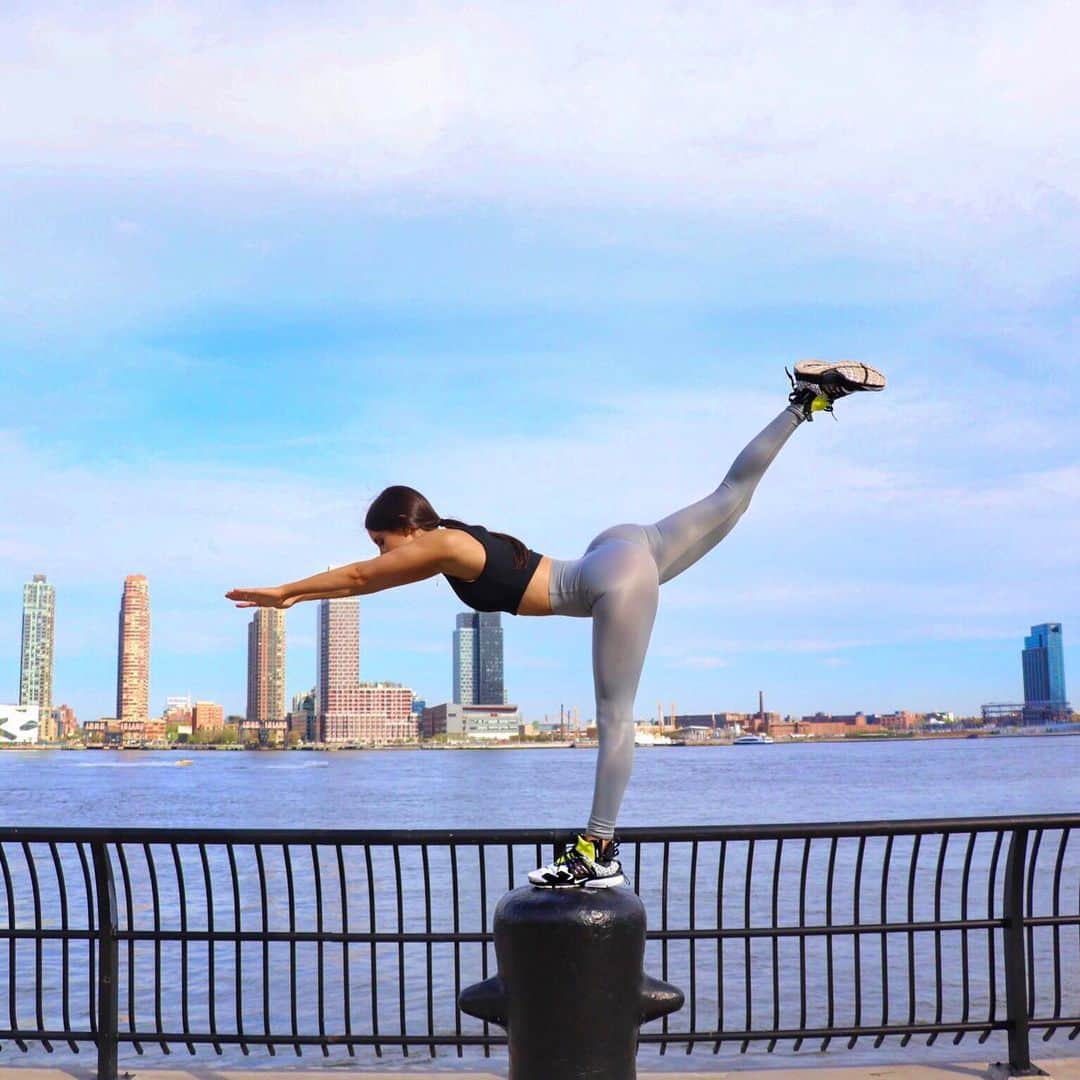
(582, 847)
(820, 404)
(587, 848)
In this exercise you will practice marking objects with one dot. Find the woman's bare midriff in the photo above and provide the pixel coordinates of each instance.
(537, 599)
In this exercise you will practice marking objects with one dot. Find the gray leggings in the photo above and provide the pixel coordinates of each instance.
(617, 582)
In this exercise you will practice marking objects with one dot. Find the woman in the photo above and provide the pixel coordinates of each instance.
(616, 583)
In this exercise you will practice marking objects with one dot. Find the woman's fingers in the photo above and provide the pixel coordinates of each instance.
(250, 597)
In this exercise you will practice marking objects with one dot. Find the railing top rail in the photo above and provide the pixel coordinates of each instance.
(675, 834)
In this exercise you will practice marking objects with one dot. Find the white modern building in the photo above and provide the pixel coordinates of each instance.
(496, 723)
(19, 724)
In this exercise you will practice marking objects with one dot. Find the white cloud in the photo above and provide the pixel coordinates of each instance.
(896, 124)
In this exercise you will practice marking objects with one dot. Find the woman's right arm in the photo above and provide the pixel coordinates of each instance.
(424, 557)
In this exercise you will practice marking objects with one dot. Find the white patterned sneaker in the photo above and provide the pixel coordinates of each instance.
(580, 867)
(840, 378)
(816, 384)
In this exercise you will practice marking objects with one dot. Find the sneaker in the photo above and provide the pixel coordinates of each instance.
(817, 383)
(581, 866)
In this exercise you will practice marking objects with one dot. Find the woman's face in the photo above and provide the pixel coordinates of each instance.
(387, 541)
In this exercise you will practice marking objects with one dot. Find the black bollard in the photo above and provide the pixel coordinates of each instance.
(570, 990)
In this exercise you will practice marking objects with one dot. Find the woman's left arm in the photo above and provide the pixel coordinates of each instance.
(424, 557)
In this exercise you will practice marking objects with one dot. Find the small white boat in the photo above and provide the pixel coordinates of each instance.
(759, 739)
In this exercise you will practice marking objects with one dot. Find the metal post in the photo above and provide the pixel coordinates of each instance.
(108, 962)
(1016, 1002)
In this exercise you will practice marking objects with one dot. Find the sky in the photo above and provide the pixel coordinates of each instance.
(548, 268)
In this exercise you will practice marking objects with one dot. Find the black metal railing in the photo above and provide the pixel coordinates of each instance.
(801, 935)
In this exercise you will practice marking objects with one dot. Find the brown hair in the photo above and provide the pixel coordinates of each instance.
(399, 508)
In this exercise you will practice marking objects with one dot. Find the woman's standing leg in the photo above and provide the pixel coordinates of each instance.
(623, 619)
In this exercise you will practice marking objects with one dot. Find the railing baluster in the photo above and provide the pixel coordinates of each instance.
(238, 977)
(457, 944)
(424, 862)
(320, 976)
(831, 998)
(151, 871)
(776, 940)
(374, 950)
(1033, 860)
(39, 945)
(121, 858)
(264, 909)
(13, 953)
(692, 920)
(290, 890)
(886, 860)
(108, 963)
(91, 952)
(991, 958)
(184, 989)
(398, 893)
(1015, 959)
(964, 961)
(938, 974)
(211, 945)
(720, 944)
(1058, 865)
(912, 871)
(480, 849)
(802, 938)
(856, 907)
(666, 867)
(346, 981)
(64, 950)
(747, 958)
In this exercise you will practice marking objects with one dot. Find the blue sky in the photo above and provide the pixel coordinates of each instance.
(255, 267)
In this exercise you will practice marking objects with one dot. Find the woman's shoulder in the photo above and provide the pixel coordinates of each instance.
(467, 549)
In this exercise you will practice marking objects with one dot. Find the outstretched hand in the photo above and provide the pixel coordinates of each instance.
(259, 598)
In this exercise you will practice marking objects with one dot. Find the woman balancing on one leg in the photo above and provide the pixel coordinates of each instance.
(616, 583)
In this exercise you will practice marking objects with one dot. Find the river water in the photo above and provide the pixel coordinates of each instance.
(478, 789)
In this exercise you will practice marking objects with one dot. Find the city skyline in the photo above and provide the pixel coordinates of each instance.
(337, 664)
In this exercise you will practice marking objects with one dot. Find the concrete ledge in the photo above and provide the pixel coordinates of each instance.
(1059, 1069)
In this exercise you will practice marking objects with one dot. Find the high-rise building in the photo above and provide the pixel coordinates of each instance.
(478, 659)
(133, 657)
(36, 669)
(346, 710)
(266, 667)
(1044, 674)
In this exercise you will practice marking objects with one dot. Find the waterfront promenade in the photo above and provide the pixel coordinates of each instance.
(1058, 1069)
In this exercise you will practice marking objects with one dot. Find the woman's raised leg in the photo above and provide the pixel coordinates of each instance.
(682, 538)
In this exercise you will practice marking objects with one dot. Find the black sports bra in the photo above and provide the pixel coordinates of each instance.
(500, 585)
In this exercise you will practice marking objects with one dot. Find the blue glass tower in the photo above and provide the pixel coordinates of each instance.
(478, 659)
(1044, 670)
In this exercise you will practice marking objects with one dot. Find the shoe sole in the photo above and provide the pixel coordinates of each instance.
(852, 374)
(593, 883)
